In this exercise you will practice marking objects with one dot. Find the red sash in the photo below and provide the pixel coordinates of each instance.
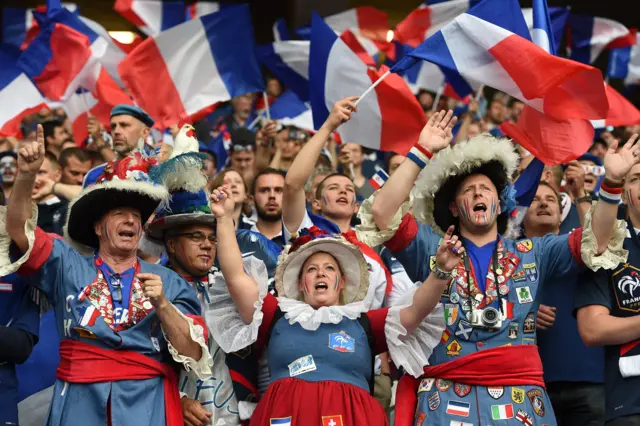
(502, 366)
(84, 363)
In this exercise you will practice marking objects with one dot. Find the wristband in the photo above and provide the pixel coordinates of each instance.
(610, 195)
(585, 199)
(419, 155)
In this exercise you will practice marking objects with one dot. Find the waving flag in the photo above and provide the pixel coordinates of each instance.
(281, 31)
(589, 36)
(201, 8)
(556, 23)
(152, 16)
(621, 111)
(289, 62)
(184, 71)
(291, 111)
(624, 62)
(18, 96)
(390, 119)
(17, 23)
(480, 46)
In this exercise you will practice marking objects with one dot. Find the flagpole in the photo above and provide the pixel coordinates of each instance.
(255, 121)
(265, 98)
(373, 86)
(479, 92)
(438, 96)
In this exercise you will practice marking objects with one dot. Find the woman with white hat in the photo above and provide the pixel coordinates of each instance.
(319, 334)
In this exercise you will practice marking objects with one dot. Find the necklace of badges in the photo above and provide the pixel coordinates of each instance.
(99, 295)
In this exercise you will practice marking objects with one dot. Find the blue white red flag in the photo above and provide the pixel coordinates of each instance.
(289, 62)
(590, 35)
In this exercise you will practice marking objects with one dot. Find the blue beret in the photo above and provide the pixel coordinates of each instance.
(134, 112)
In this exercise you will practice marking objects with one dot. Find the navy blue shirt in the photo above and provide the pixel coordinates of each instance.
(560, 365)
(481, 260)
(619, 292)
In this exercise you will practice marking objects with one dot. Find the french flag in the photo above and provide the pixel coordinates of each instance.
(428, 19)
(152, 16)
(19, 97)
(201, 8)
(589, 36)
(289, 62)
(624, 62)
(621, 111)
(389, 119)
(17, 23)
(378, 179)
(290, 110)
(184, 71)
(480, 45)
(557, 23)
(280, 30)
(89, 316)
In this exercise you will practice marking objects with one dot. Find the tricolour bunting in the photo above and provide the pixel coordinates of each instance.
(480, 45)
(388, 119)
(187, 69)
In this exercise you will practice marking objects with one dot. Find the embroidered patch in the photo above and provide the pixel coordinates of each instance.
(524, 246)
(537, 402)
(529, 325)
(302, 365)
(450, 313)
(426, 385)
(6, 287)
(445, 336)
(502, 412)
(462, 389)
(531, 271)
(626, 288)
(332, 420)
(457, 408)
(517, 395)
(443, 385)
(84, 333)
(528, 341)
(156, 344)
(524, 294)
(524, 418)
(495, 392)
(454, 348)
(432, 262)
(342, 342)
(420, 418)
(519, 276)
(434, 401)
(512, 331)
(464, 330)
(284, 421)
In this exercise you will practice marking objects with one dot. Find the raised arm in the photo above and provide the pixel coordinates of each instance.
(19, 207)
(428, 294)
(293, 201)
(243, 288)
(575, 184)
(435, 136)
(616, 166)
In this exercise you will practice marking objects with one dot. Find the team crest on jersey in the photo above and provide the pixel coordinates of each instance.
(531, 272)
(462, 389)
(535, 397)
(332, 420)
(434, 401)
(443, 385)
(495, 392)
(342, 342)
(517, 395)
(524, 246)
(626, 288)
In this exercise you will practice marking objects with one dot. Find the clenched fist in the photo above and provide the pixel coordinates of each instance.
(31, 154)
(152, 289)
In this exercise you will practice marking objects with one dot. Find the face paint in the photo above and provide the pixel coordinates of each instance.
(305, 288)
(630, 198)
(465, 210)
(335, 287)
(325, 201)
(353, 201)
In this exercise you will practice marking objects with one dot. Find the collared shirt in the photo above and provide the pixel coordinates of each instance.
(119, 284)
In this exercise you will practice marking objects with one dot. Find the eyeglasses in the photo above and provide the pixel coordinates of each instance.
(594, 170)
(199, 237)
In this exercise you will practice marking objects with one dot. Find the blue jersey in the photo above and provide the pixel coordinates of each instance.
(523, 267)
(17, 310)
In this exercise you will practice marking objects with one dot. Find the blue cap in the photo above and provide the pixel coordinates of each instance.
(590, 157)
(134, 112)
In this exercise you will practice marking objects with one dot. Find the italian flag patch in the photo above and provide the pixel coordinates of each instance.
(502, 412)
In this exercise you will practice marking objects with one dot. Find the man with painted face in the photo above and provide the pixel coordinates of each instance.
(122, 321)
(8, 171)
(608, 313)
(486, 367)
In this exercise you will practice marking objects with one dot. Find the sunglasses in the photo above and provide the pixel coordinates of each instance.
(593, 170)
(243, 148)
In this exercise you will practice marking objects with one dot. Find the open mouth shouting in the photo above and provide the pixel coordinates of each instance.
(342, 201)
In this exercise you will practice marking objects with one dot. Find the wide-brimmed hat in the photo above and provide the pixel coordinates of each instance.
(123, 183)
(349, 257)
(183, 177)
(436, 186)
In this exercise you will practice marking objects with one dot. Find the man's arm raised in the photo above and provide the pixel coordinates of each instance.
(293, 201)
(435, 135)
(19, 206)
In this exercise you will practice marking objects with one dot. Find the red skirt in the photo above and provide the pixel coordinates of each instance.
(325, 403)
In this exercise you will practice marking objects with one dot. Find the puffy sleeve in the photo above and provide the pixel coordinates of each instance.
(412, 351)
(614, 254)
(227, 327)
(187, 305)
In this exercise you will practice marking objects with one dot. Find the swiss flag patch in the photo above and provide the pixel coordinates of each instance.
(332, 420)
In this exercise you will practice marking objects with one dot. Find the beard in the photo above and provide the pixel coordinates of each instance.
(269, 217)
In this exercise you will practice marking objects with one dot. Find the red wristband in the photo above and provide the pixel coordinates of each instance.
(424, 150)
(611, 190)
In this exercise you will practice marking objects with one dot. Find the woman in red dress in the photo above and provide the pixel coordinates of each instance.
(319, 334)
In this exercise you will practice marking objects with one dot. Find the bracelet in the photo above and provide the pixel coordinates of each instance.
(608, 183)
(440, 274)
(611, 195)
(419, 155)
(586, 199)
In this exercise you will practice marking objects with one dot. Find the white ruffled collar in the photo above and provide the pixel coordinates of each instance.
(310, 319)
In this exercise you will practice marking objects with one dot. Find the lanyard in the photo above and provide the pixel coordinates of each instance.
(200, 286)
(116, 279)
